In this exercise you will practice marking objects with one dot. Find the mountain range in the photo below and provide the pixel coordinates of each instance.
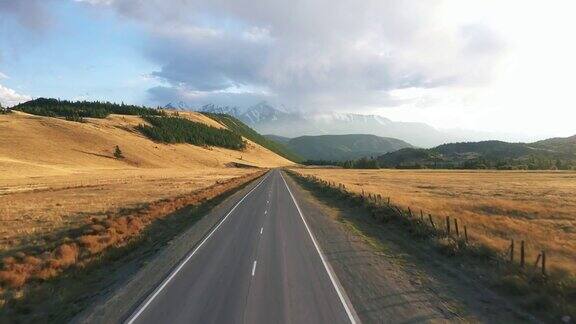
(277, 121)
(340, 147)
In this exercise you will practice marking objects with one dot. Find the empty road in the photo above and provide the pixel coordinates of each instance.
(260, 264)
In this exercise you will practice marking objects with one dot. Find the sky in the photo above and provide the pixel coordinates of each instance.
(496, 66)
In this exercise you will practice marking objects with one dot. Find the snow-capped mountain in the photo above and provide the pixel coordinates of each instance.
(211, 108)
(181, 105)
(270, 120)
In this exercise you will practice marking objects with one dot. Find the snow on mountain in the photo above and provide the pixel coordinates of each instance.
(267, 119)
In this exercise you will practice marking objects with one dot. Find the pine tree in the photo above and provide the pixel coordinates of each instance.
(118, 153)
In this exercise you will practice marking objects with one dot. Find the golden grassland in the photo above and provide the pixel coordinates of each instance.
(496, 206)
(56, 174)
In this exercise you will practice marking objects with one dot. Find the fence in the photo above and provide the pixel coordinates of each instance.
(452, 228)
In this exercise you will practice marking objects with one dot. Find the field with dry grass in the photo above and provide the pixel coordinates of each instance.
(55, 174)
(65, 197)
(496, 206)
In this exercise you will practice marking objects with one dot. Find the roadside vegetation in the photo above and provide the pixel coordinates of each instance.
(547, 293)
(239, 127)
(181, 130)
(78, 110)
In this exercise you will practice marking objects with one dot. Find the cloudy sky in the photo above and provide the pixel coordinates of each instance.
(503, 66)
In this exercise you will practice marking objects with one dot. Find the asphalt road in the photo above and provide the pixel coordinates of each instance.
(260, 264)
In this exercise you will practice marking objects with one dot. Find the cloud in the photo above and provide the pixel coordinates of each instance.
(9, 97)
(32, 14)
(161, 95)
(310, 53)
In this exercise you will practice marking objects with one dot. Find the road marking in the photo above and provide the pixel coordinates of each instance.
(159, 289)
(339, 290)
(265, 212)
(261, 230)
(254, 268)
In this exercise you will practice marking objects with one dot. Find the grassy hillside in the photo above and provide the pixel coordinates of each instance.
(565, 145)
(77, 110)
(242, 129)
(343, 147)
(558, 153)
(181, 130)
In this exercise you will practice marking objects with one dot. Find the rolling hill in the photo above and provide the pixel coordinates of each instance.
(43, 146)
(556, 153)
(342, 147)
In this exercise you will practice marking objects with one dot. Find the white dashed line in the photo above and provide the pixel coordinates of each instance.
(254, 268)
(261, 230)
(159, 289)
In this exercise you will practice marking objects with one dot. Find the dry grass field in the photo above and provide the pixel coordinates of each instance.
(56, 174)
(496, 206)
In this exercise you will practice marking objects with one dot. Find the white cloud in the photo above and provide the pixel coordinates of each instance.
(318, 54)
(487, 65)
(3, 76)
(9, 97)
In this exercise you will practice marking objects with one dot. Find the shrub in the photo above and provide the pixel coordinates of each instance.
(4, 110)
(118, 153)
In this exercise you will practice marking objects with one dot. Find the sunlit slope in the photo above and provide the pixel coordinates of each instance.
(41, 146)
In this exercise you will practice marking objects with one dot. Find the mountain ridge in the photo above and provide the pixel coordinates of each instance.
(342, 147)
(267, 119)
(554, 153)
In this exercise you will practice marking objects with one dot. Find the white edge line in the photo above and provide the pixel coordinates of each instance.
(254, 268)
(159, 289)
(341, 294)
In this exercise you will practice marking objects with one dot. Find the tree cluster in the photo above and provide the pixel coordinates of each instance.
(239, 127)
(363, 163)
(180, 130)
(78, 110)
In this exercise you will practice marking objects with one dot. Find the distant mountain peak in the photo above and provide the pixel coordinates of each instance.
(181, 105)
(268, 119)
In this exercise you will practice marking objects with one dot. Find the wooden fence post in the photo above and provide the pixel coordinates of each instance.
(410, 212)
(431, 221)
(388, 201)
(465, 234)
(537, 260)
(421, 216)
(456, 227)
(511, 250)
(522, 255)
(448, 225)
